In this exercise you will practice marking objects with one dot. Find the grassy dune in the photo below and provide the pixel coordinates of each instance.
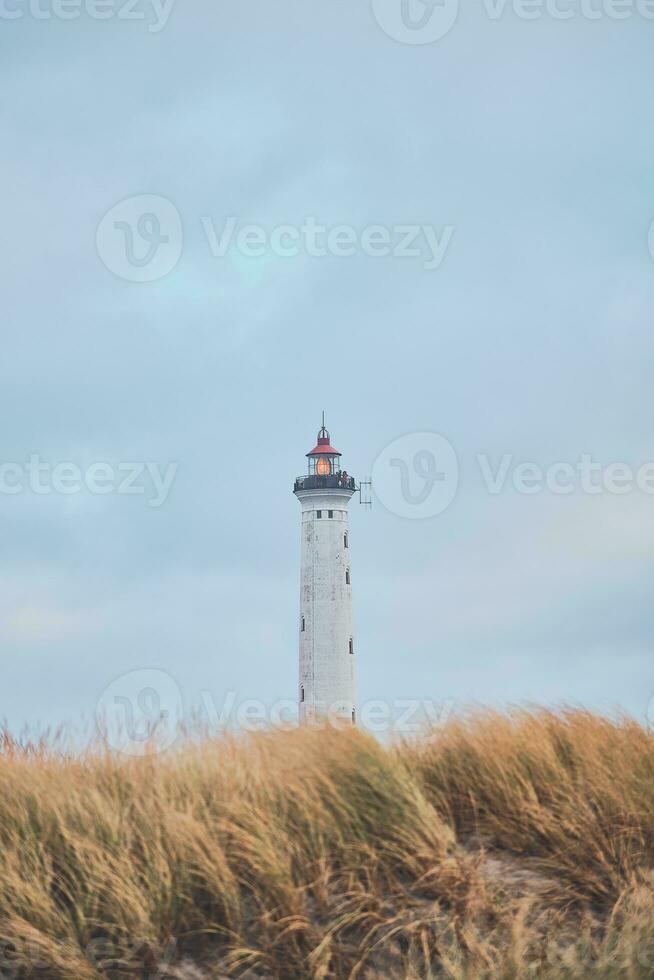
(501, 847)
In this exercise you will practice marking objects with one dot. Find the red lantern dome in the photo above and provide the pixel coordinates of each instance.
(324, 448)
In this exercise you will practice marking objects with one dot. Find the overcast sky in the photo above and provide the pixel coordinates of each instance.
(525, 146)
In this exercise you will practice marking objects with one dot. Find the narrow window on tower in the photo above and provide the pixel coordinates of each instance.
(351, 645)
(330, 513)
(347, 576)
(303, 625)
(354, 716)
(318, 513)
(301, 693)
(345, 541)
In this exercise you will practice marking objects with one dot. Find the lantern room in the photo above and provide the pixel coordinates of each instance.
(324, 468)
(324, 460)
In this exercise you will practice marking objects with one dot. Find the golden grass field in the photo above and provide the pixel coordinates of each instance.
(499, 847)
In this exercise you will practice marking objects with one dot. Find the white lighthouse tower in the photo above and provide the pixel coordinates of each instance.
(327, 648)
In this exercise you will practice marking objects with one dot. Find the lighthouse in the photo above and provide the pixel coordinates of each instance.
(327, 682)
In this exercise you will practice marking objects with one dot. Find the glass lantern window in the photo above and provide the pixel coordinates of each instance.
(323, 465)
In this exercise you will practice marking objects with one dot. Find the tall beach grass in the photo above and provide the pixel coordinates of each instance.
(501, 846)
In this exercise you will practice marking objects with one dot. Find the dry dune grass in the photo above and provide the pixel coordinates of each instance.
(501, 847)
(573, 793)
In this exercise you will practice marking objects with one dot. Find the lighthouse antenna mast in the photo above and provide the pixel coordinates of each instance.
(365, 493)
